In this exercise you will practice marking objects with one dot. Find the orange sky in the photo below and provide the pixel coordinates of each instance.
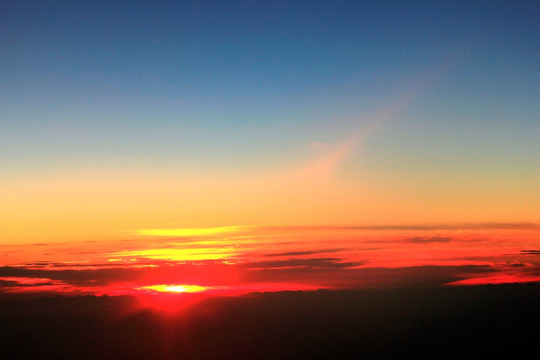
(241, 259)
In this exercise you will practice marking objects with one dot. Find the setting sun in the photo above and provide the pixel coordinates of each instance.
(174, 288)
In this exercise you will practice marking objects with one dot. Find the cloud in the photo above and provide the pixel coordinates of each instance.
(530, 252)
(80, 277)
(299, 253)
(352, 276)
(313, 263)
(18, 282)
(426, 240)
(419, 227)
(127, 276)
(319, 267)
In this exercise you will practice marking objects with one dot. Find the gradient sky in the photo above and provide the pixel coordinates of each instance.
(381, 120)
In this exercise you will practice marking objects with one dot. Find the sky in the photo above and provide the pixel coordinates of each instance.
(283, 144)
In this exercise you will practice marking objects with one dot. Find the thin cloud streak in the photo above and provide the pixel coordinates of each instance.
(325, 164)
(428, 240)
(420, 227)
(310, 252)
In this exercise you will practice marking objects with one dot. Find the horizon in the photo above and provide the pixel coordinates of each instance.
(191, 155)
(236, 260)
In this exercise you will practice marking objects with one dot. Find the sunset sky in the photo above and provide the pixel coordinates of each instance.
(241, 146)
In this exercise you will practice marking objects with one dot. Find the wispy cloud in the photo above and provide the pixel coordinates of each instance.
(530, 252)
(299, 253)
(310, 263)
(357, 134)
(419, 226)
(428, 239)
(324, 165)
(22, 281)
(82, 276)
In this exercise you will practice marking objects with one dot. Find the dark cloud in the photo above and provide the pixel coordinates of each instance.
(428, 239)
(79, 277)
(52, 265)
(351, 276)
(299, 253)
(7, 284)
(205, 272)
(40, 263)
(312, 263)
(517, 265)
(530, 252)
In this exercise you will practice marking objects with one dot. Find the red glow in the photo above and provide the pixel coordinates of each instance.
(497, 279)
(278, 259)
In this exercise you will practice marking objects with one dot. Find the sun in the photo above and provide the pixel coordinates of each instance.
(168, 288)
(170, 298)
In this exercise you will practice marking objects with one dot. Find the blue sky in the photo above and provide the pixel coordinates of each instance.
(232, 87)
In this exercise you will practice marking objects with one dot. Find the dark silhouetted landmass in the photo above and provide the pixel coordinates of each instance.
(448, 322)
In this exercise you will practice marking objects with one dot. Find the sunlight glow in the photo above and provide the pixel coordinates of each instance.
(174, 288)
(178, 254)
